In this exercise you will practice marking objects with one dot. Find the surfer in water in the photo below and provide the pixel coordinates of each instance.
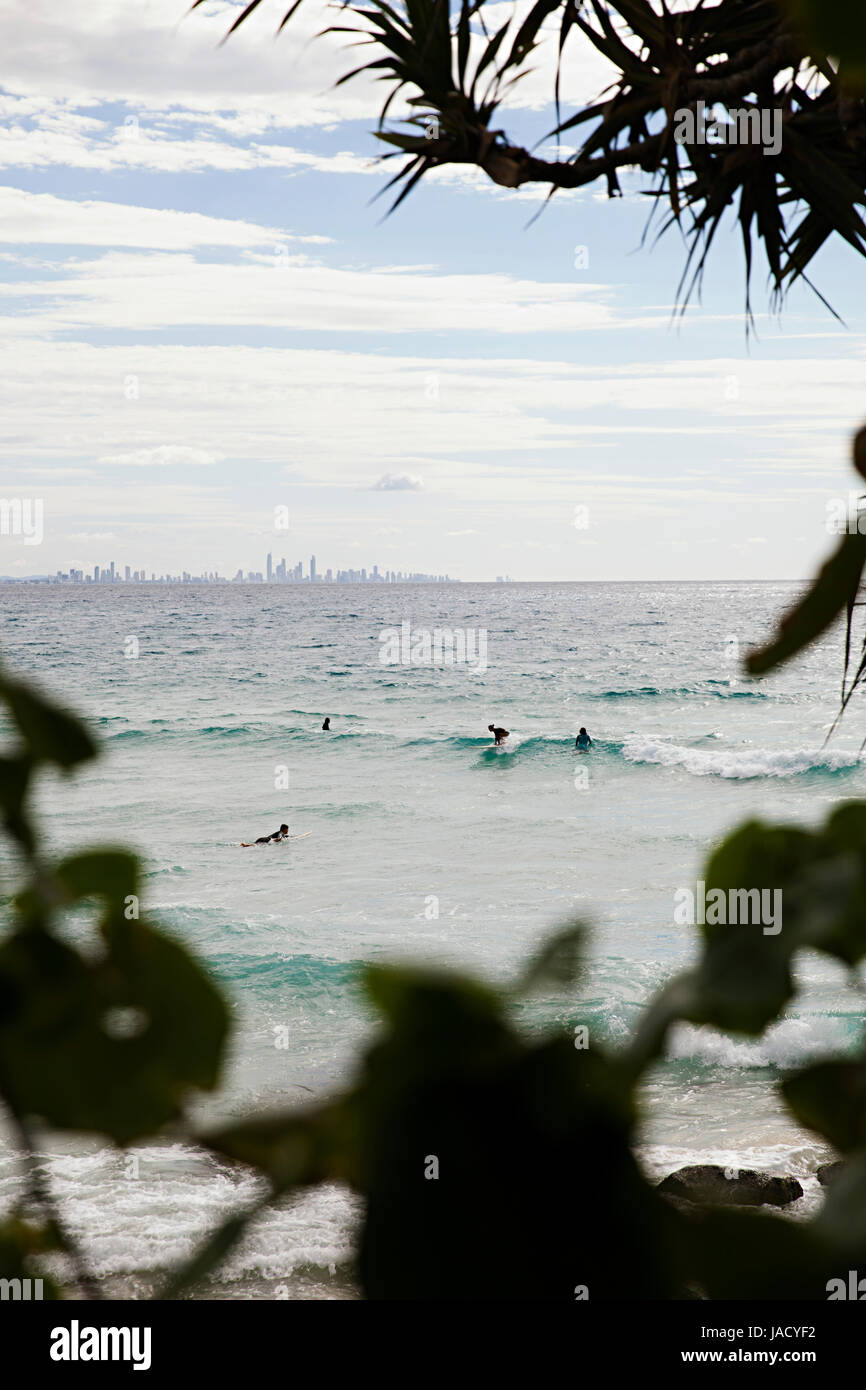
(499, 735)
(281, 834)
(583, 741)
(327, 724)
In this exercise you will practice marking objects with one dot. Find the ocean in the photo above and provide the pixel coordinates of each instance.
(425, 843)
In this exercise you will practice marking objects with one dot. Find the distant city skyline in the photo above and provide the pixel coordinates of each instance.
(279, 574)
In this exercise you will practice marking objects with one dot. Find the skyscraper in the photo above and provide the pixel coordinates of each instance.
(312, 569)
(270, 567)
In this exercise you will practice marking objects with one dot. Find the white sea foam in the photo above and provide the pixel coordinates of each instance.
(788, 1043)
(740, 763)
(147, 1211)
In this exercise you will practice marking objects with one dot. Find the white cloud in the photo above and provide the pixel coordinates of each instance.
(139, 147)
(398, 482)
(162, 69)
(160, 290)
(33, 218)
(163, 456)
(516, 441)
(158, 58)
(549, 432)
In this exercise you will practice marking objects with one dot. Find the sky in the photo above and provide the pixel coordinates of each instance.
(207, 317)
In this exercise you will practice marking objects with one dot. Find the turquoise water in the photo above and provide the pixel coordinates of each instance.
(413, 813)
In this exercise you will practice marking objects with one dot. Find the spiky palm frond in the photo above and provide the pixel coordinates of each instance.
(741, 55)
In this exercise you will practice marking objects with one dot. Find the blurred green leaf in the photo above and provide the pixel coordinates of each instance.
(15, 774)
(109, 876)
(51, 733)
(826, 600)
(439, 1010)
(292, 1148)
(743, 979)
(676, 1001)
(112, 1044)
(841, 1222)
(470, 1140)
(751, 1255)
(557, 962)
(839, 27)
(830, 1098)
(505, 1174)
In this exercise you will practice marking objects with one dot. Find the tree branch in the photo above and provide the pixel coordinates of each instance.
(512, 165)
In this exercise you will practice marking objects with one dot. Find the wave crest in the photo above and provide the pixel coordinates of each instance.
(741, 763)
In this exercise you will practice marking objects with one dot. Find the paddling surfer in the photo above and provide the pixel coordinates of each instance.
(583, 741)
(281, 834)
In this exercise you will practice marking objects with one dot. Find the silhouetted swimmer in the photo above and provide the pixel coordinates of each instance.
(327, 723)
(500, 735)
(583, 741)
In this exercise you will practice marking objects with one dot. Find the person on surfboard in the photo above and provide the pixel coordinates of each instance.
(499, 735)
(327, 724)
(281, 834)
(583, 741)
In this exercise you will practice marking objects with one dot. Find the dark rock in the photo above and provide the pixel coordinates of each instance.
(683, 1205)
(709, 1183)
(694, 1293)
(829, 1172)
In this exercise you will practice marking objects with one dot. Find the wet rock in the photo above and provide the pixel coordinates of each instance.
(709, 1183)
(829, 1172)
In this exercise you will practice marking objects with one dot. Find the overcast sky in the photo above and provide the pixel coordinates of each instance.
(204, 318)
